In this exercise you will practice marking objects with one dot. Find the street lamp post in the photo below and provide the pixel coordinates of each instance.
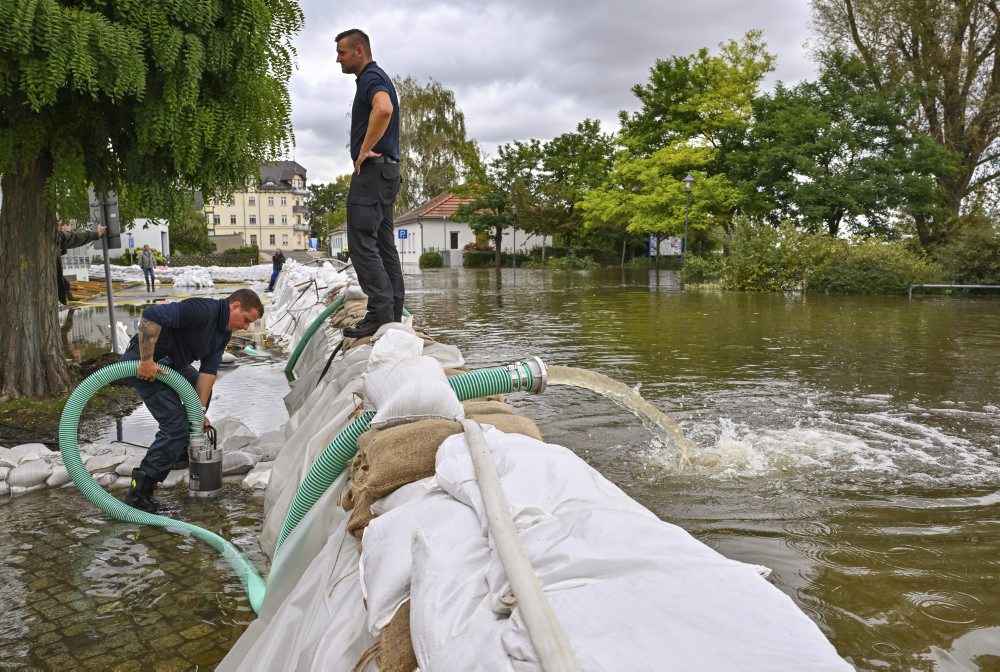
(688, 183)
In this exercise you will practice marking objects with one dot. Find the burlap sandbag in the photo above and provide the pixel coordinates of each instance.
(396, 651)
(511, 424)
(389, 458)
(486, 407)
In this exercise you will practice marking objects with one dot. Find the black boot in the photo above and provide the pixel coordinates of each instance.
(140, 493)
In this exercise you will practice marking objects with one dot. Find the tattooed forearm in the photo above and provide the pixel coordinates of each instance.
(148, 333)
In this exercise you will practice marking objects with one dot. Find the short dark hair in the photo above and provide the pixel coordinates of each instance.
(248, 300)
(357, 36)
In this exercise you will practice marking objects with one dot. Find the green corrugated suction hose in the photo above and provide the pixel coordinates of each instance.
(68, 446)
(316, 324)
(516, 377)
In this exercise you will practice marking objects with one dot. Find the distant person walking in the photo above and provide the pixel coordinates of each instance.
(277, 261)
(67, 239)
(374, 184)
(147, 262)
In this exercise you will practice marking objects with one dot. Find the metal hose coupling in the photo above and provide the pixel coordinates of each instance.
(528, 375)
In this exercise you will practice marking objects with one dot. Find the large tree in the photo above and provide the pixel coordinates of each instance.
(949, 50)
(835, 155)
(149, 100)
(435, 153)
(328, 206)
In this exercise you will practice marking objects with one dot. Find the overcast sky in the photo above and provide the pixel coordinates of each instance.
(519, 68)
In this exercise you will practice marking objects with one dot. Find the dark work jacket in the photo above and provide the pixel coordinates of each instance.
(278, 260)
(190, 329)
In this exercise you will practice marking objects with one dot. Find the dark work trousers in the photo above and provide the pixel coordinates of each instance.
(163, 403)
(370, 240)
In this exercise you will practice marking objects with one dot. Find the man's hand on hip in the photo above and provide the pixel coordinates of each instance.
(364, 156)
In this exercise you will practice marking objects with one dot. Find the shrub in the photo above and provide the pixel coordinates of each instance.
(973, 258)
(243, 251)
(702, 269)
(572, 263)
(763, 258)
(431, 260)
(478, 259)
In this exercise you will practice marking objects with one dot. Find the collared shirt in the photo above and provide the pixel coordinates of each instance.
(372, 80)
(190, 329)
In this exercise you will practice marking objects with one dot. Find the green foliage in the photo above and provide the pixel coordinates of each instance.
(435, 153)
(572, 263)
(478, 259)
(973, 257)
(431, 260)
(148, 100)
(836, 154)
(189, 235)
(702, 269)
(763, 258)
(251, 250)
(328, 206)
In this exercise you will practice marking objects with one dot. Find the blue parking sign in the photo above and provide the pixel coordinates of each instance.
(401, 234)
(131, 241)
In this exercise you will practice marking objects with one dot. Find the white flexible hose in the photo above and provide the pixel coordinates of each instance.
(547, 634)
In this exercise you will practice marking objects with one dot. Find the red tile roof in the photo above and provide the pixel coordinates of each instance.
(441, 206)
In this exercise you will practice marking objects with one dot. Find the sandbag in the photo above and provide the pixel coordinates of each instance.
(412, 389)
(11, 457)
(237, 462)
(60, 476)
(101, 464)
(29, 474)
(396, 648)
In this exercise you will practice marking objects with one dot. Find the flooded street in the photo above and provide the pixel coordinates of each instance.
(851, 444)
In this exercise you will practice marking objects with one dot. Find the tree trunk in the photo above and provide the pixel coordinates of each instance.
(32, 362)
(497, 244)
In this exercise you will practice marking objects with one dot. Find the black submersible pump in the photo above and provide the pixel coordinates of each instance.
(204, 465)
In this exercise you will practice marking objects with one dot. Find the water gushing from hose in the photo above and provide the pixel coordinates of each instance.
(655, 421)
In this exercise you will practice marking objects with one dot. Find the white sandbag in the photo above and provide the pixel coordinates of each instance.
(394, 345)
(30, 473)
(404, 494)
(123, 482)
(128, 464)
(60, 476)
(411, 389)
(448, 356)
(3, 472)
(100, 464)
(386, 561)
(16, 491)
(232, 433)
(175, 477)
(354, 293)
(268, 445)
(237, 462)
(4, 491)
(448, 588)
(106, 478)
(257, 478)
(11, 457)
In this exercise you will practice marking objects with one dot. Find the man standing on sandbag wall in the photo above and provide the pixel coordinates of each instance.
(374, 184)
(174, 335)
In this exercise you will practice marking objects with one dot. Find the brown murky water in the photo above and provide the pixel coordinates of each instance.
(852, 444)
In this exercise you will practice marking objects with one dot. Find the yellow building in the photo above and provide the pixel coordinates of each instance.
(271, 214)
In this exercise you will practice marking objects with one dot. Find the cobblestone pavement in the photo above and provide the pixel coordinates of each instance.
(79, 591)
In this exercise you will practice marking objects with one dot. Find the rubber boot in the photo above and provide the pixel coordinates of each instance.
(140, 492)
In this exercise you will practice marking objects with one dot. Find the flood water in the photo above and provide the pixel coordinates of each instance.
(851, 444)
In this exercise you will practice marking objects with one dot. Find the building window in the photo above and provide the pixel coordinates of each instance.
(216, 219)
(270, 200)
(284, 219)
(284, 200)
(284, 239)
(454, 240)
(215, 201)
(232, 219)
(253, 239)
(270, 239)
(253, 201)
(232, 200)
(270, 219)
(253, 220)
